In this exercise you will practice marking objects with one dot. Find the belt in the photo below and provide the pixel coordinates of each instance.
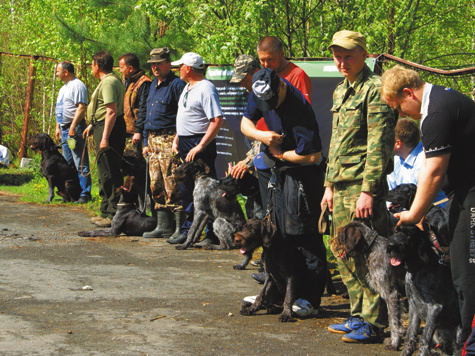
(162, 132)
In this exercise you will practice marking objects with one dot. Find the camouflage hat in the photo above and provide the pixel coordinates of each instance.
(243, 65)
(348, 40)
(159, 55)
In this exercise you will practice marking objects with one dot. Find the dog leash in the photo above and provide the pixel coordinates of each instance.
(144, 205)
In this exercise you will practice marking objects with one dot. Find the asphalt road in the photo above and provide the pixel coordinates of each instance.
(145, 297)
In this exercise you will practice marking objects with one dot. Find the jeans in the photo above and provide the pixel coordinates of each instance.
(74, 156)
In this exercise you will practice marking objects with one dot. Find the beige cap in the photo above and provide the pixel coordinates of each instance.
(348, 40)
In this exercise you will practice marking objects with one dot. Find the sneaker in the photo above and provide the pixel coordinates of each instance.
(303, 307)
(349, 325)
(365, 334)
(83, 200)
(259, 277)
(95, 219)
(250, 299)
(105, 222)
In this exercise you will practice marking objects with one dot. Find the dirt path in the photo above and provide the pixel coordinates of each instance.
(147, 298)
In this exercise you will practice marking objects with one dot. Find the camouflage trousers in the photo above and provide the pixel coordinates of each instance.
(131, 146)
(162, 162)
(364, 301)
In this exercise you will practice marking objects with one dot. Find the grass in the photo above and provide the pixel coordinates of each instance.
(32, 187)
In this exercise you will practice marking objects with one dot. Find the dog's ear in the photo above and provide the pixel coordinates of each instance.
(349, 237)
(268, 231)
(204, 167)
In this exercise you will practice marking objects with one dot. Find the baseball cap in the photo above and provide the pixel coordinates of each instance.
(265, 86)
(190, 59)
(158, 55)
(348, 40)
(263, 161)
(243, 65)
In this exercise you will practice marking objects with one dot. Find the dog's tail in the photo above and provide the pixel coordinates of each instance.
(95, 233)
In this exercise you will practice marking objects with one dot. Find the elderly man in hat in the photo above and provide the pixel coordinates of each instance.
(292, 151)
(359, 159)
(199, 120)
(159, 132)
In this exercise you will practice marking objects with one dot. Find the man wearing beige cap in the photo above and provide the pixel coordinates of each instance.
(159, 133)
(359, 159)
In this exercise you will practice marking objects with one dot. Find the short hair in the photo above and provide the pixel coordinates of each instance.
(104, 61)
(408, 132)
(398, 78)
(201, 71)
(130, 59)
(66, 65)
(270, 44)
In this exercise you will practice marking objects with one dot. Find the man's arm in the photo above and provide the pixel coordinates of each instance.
(268, 138)
(142, 113)
(78, 116)
(430, 181)
(212, 131)
(109, 122)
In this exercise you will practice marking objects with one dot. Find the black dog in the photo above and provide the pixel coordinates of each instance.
(286, 271)
(56, 169)
(126, 220)
(401, 198)
(430, 291)
(135, 165)
(249, 187)
(357, 238)
(210, 202)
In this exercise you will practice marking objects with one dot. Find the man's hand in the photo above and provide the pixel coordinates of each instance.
(270, 138)
(239, 170)
(406, 218)
(72, 131)
(57, 134)
(193, 152)
(87, 132)
(364, 206)
(145, 151)
(136, 138)
(327, 198)
(104, 145)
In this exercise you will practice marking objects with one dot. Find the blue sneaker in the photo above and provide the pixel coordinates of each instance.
(365, 334)
(349, 325)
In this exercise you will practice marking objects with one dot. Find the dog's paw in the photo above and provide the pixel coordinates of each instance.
(247, 309)
(239, 267)
(181, 247)
(286, 317)
(390, 345)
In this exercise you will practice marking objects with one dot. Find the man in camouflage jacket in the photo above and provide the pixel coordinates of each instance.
(359, 159)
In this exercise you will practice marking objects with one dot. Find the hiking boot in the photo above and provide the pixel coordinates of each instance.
(349, 325)
(259, 277)
(164, 225)
(82, 200)
(365, 334)
(177, 240)
(105, 222)
(94, 219)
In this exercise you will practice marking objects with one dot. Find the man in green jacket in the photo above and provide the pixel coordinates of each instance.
(359, 159)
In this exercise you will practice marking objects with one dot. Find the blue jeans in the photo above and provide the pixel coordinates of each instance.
(74, 156)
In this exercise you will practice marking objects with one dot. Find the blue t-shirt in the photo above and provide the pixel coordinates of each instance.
(294, 119)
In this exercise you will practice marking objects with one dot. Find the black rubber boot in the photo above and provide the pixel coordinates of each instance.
(164, 225)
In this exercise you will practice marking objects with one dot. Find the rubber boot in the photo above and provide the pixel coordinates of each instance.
(164, 225)
(180, 217)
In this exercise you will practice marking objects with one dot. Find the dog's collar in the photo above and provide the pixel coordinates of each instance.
(371, 237)
(125, 204)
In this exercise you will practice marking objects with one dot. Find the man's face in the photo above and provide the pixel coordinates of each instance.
(272, 60)
(184, 69)
(161, 69)
(95, 69)
(407, 105)
(246, 82)
(349, 62)
(125, 69)
(60, 72)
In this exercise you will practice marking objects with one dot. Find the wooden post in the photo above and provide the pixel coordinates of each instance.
(28, 102)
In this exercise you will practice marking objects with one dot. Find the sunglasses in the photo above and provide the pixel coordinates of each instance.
(185, 99)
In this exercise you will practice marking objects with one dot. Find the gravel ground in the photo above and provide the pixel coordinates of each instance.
(144, 297)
